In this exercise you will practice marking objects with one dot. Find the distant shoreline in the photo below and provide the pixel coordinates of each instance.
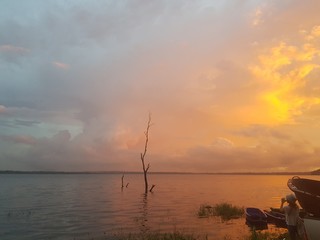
(177, 173)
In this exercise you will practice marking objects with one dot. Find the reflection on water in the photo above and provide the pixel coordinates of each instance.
(144, 228)
(84, 206)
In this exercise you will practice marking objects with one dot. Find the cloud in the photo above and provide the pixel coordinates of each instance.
(13, 53)
(61, 65)
(86, 75)
(252, 159)
(222, 143)
(13, 49)
(26, 123)
(2, 109)
(257, 17)
(261, 131)
(285, 71)
(20, 139)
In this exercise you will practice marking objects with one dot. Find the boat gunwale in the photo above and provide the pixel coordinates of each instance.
(259, 215)
(291, 186)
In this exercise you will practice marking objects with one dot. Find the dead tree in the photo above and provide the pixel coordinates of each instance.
(122, 183)
(143, 155)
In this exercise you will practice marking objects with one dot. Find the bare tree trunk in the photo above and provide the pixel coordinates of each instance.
(144, 167)
(122, 181)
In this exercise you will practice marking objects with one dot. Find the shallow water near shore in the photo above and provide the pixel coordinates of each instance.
(89, 206)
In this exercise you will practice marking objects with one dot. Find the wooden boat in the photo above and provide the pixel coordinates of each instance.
(255, 216)
(307, 192)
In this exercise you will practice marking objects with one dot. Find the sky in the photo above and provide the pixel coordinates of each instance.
(230, 86)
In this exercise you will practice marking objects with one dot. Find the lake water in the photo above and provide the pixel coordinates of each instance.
(93, 206)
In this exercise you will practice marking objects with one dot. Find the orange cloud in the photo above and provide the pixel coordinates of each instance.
(284, 70)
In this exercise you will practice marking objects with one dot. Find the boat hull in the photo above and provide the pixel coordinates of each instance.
(307, 192)
(255, 216)
(276, 218)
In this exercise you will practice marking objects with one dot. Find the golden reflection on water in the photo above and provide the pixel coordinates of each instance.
(177, 198)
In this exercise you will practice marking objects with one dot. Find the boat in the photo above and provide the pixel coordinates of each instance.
(307, 192)
(312, 226)
(275, 217)
(255, 216)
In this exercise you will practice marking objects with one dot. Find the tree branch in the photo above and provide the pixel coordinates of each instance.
(152, 188)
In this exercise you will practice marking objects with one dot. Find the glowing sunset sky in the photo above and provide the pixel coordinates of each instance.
(231, 85)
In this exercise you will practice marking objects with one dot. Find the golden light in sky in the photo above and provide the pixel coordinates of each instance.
(285, 70)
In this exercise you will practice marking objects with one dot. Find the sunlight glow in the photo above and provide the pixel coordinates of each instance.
(280, 109)
(285, 71)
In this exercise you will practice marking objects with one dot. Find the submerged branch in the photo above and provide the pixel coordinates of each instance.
(152, 188)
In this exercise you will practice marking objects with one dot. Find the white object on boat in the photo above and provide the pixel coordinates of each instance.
(312, 226)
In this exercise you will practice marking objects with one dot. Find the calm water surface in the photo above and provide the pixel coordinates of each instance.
(92, 206)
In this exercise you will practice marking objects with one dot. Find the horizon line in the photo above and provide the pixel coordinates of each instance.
(316, 172)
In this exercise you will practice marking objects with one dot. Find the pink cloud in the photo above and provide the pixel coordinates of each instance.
(2, 109)
(12, 48)
(61, 65)
(21, 139)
